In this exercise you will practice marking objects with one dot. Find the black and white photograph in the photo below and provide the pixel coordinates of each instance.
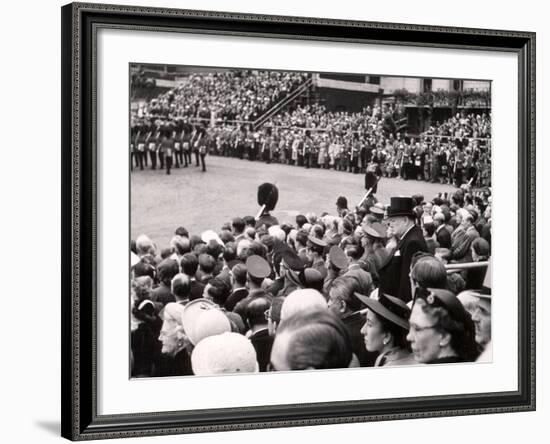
(291, 220)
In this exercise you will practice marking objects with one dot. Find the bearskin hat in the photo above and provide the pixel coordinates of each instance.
(268, 195)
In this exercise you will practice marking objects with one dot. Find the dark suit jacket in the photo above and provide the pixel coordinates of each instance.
(394, 273)
(262, 343)
(162, 295)
(235, 297)
(197, 289)
(444, 238)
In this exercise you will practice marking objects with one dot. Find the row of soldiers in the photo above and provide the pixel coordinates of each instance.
(444, 160)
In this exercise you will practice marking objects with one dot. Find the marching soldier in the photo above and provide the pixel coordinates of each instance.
(151, 141)
(196, 140)
(268, 195)
(167, 149)
(178, 149)
(187, 136)
(202, 144)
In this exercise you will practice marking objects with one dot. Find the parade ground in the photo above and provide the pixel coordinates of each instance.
(206, 200)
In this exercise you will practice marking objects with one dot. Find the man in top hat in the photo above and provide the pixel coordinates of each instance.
(268, 195)
(316, 254)
(394, 272)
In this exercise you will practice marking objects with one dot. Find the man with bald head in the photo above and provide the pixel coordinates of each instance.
(259, 334)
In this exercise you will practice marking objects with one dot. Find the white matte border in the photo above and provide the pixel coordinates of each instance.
(118, 394)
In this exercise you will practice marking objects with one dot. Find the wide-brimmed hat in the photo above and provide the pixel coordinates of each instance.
(375, 230)
(202, 318)
(401, 206)
(389, 308)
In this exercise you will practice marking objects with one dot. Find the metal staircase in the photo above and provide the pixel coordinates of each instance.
(279, 106)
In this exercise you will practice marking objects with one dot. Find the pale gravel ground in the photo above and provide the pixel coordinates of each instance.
(200, 201)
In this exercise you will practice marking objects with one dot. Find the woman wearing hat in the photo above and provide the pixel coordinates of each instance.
(440, 328)
(385, 330)
(175, 359)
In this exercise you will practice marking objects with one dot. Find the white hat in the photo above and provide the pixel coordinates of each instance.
(301, 300)
(224, 353)
(202, 318)
(209, 235)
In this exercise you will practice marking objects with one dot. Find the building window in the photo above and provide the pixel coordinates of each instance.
(458, 85)
(427, 85)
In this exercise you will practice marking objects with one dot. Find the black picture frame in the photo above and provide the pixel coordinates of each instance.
(80, 420)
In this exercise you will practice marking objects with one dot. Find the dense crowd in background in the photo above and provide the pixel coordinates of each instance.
(351, 287)
(215, 113)
(227, 95)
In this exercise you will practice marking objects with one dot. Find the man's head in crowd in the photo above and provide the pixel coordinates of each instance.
(429, 229)
(145, 246)
(427, 272)
(182, 231)
(482, 319)
(313, 339)
(226, 236)
(481, 249)
(249, 221)
(342, 300)
(256, 311)
(439, 219)
(238, 226)
(189, 264)
(207, 264)
(301, 240)
(467, 220)
(214, 249)
(300, 221)
(315, 249)
(354, 252)
(180, 245)
(238, 276)
(181, 287)
(167, 269)
(229, 253)
(399, 224)
(217, 290)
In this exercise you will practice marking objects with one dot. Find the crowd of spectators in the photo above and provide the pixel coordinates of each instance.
(324, 292)
(222, 107)
(236, 95)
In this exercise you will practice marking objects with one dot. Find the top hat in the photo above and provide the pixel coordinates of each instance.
(401, 206)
